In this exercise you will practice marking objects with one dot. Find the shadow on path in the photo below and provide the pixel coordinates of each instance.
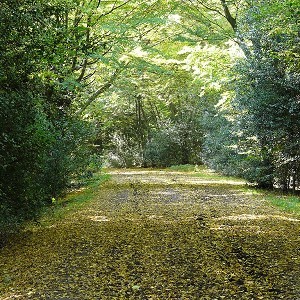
(159, 235)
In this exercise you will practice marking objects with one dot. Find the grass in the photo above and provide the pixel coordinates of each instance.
(288, 203)
(72, 201)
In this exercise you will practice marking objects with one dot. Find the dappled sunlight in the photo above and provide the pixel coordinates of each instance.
(99, 218)
(141, 237)
(90, 86)
(155, 217)
(239, 228)
(168, 177)
(245, 217)
(17, 296)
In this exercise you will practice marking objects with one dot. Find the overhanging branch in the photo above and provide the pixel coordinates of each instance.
(100, 91)
(228, 15)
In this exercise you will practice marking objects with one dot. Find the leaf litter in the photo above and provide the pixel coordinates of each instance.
(159, 235)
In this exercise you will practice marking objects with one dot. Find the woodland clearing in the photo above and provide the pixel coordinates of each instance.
(158, 234)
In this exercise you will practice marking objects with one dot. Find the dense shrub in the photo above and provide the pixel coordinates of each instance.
(39, 157)
(268, 95)
(174, 144)
(163, 149)
(259, 138)
(42, 147)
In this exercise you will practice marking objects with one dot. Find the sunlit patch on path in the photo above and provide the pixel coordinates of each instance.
(259, 217)
(159, 235)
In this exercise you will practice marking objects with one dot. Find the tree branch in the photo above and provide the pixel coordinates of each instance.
(228, 15)
(209, 8)
(100, 91)
(114, 8)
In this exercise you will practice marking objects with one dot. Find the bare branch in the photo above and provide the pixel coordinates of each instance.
(89, 75)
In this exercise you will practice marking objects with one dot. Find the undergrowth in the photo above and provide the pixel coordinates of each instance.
(72, 201)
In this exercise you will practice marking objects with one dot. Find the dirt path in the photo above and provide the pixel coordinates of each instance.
(159, 235)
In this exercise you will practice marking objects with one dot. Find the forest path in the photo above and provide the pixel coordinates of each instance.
(151, 234)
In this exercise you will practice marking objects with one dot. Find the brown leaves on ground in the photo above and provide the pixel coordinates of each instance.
(159, 235)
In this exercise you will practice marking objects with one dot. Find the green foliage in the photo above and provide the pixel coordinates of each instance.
(290, 204)
(219, 147)
(153, 116)
(268, 97)
(42, 146)
(173, 144)
(69, 155)
(163, 148)
(166, 81)
(260, 132)
(39, 156)
(21, 149)
(206, 20)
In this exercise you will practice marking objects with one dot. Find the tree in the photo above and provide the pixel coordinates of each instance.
(155, 114)
(270, 101)
(266, 106)
(57, 57)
